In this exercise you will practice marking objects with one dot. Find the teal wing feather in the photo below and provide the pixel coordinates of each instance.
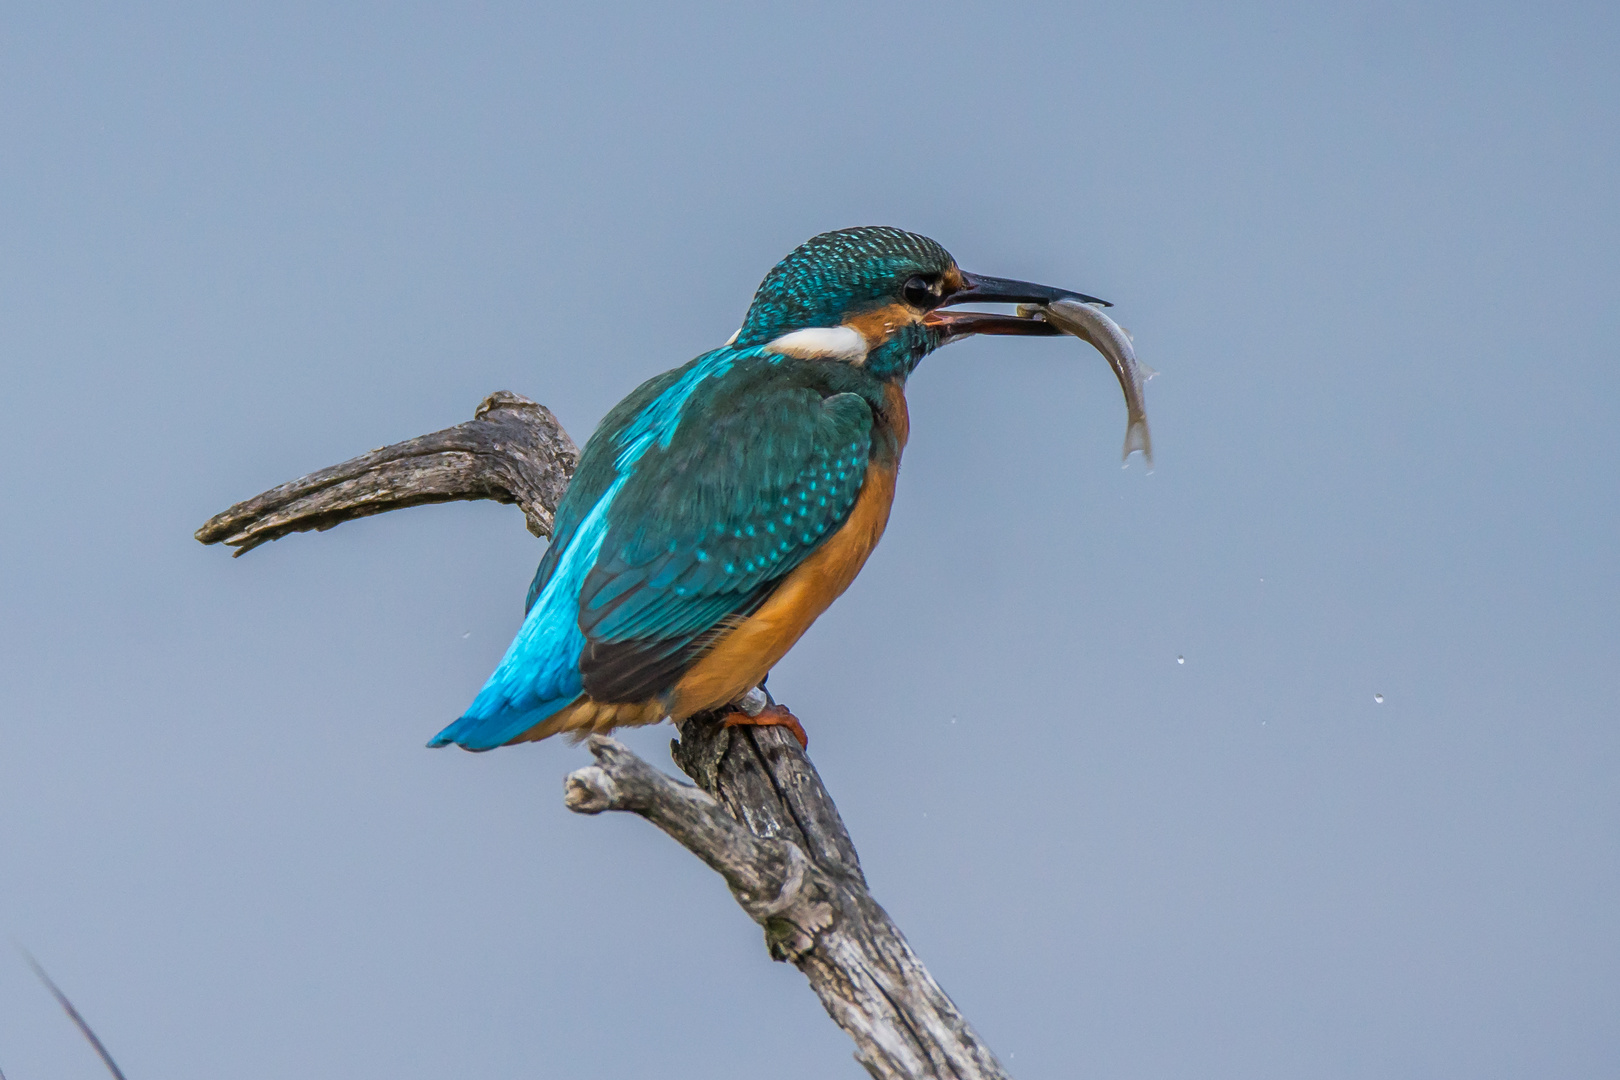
(596, 473)
(761, 470)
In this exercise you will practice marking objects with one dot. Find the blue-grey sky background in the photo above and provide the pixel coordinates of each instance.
(1373, 252)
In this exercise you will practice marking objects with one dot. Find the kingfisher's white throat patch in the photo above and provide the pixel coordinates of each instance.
(822, 343)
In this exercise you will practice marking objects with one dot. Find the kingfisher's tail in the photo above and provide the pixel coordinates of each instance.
(474, 732)
(538, 677)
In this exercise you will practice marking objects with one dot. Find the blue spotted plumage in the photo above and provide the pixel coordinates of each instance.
(721, 506)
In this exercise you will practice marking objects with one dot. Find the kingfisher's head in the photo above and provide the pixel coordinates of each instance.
(875, 296)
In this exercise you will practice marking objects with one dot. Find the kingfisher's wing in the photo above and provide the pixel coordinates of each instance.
(693, 498)
(756, 476)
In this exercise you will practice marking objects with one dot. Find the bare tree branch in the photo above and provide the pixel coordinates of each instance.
(815, 908)
(512, 451)
(759, 815)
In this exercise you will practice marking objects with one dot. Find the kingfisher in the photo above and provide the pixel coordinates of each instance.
(720, 508)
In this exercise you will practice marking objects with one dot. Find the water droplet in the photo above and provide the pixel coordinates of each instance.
(468, 634)
(1378, 698)
(1181, 659)
(953, 719)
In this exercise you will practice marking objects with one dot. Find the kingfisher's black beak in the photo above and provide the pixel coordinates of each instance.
(981, 289)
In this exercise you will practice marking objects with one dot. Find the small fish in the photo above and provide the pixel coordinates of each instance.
(1089, 323)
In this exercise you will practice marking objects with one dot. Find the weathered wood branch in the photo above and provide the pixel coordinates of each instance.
(512, 451)
(762, 820)
(758, 815)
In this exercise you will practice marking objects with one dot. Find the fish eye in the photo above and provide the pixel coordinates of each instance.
(919, 292)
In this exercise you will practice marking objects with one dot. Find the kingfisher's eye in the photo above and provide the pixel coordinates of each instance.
(919, 293)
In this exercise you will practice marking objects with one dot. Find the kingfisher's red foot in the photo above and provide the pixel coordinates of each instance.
(769, 716)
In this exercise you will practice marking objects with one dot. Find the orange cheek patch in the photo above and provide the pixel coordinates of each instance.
(879, 324)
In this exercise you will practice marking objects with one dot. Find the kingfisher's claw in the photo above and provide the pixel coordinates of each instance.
(770, 716)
